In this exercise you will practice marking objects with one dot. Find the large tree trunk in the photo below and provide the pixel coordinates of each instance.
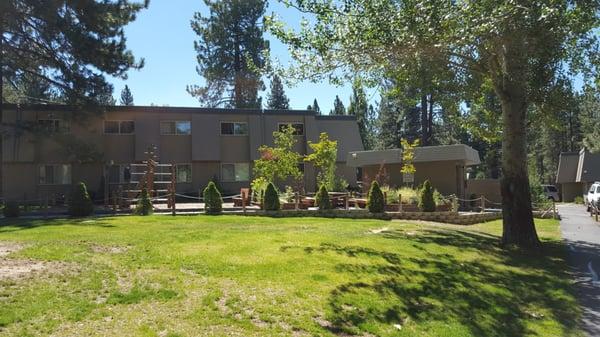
(518, 227)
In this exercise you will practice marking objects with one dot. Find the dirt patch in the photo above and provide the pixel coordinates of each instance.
(108, 249)
(378, 230)
(19, 268)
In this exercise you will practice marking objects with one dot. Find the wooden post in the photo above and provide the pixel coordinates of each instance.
(347, 200)
(554, 209)
(173, 177)
(296, 201)
(244, 196)
(399, 202)
(482, 204)
(454, 204)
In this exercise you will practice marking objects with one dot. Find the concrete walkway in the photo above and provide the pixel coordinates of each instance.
(582, 234)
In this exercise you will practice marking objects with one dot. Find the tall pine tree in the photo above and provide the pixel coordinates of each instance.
(277, 98)
(230, 53)
(365, 115)
(126, 96)
(68, 45)
(338, 107)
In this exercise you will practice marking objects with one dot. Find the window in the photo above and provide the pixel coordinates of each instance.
(235, 172)
(598, 189)
(119, 174)
(54, 125)
(298, 128)
(183, 173)
(55, 174)
(234, 128)
(119, 127)
(180, 128)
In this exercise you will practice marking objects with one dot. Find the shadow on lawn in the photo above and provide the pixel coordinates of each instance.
(14, 225)
(486, 297)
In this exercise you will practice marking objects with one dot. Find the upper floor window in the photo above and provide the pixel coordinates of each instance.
(176, 128)
(234, 128)
(298, 128)
(119, 127)
(54, 125)
(55, 174)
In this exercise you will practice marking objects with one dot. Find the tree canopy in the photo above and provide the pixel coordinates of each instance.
(230, 53)
(67, 46)
(520, 49)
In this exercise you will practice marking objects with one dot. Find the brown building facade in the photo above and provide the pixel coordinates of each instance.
(203, 144)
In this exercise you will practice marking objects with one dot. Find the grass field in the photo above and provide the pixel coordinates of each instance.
(253, 276)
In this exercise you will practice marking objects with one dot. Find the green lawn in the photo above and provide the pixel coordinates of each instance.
(254, 276)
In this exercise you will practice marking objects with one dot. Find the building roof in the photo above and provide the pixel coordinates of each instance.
(178, 109)
(458, 152)
(574, 167)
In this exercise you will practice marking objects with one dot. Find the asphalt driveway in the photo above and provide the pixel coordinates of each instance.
(582, 234)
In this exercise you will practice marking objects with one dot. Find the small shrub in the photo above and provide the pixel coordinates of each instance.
(258, 187)
(340, 184)
(144, 204)
(213, 203)
(578, 200)
(322, 198)
(271, 198)
(289, 194)
(426, 201)
(80, 202)
(375, 202)
(11, 209)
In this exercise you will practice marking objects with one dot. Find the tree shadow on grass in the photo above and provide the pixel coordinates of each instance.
(487, 297)
(15, 225)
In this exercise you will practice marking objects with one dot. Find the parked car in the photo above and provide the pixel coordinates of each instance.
(551, 192)
(593, 195)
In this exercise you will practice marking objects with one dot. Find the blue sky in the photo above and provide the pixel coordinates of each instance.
(163, 37)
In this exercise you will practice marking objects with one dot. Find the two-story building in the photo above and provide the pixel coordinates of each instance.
(204, 144)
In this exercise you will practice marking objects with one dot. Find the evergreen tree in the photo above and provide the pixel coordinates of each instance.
(277, 99)
(315, 107)
(365, 115)
(126, 96)
(338, 107)
(230, 53)
(389, 125)
(88, 39)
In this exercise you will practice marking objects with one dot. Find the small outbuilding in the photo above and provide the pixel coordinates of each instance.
(444, 166)
(576, 172)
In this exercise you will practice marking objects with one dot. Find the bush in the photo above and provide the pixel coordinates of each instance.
(271, 202)
(144, 204)
(426, 201)
(322, 198)
(11, 209)
(80, 202)
(375, 202)
(213, 203)
(578, 200)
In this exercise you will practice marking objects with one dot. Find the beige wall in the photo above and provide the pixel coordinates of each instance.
(446, 177)
(205, 148)
(568, 191)
(490, 188)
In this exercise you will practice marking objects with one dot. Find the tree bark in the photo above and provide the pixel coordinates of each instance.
(424, 123)
(509, 76)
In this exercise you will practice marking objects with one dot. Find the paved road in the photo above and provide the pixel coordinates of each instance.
(583, 236)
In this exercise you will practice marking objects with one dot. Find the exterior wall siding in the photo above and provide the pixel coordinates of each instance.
(205, 149)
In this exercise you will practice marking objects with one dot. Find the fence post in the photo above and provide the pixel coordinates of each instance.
(244, 196)
(554, 209)
(454, 203)
(482, 204)
(347, 200)
(399, 202)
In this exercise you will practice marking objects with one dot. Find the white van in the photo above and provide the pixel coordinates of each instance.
(593, 195)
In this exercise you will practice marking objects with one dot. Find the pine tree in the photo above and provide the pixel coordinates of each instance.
(88, 39)
(230, 53)
(277, 100)
(389, 125)
(365, 115)
(315, 107)
(338, 107)
(126, 96)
